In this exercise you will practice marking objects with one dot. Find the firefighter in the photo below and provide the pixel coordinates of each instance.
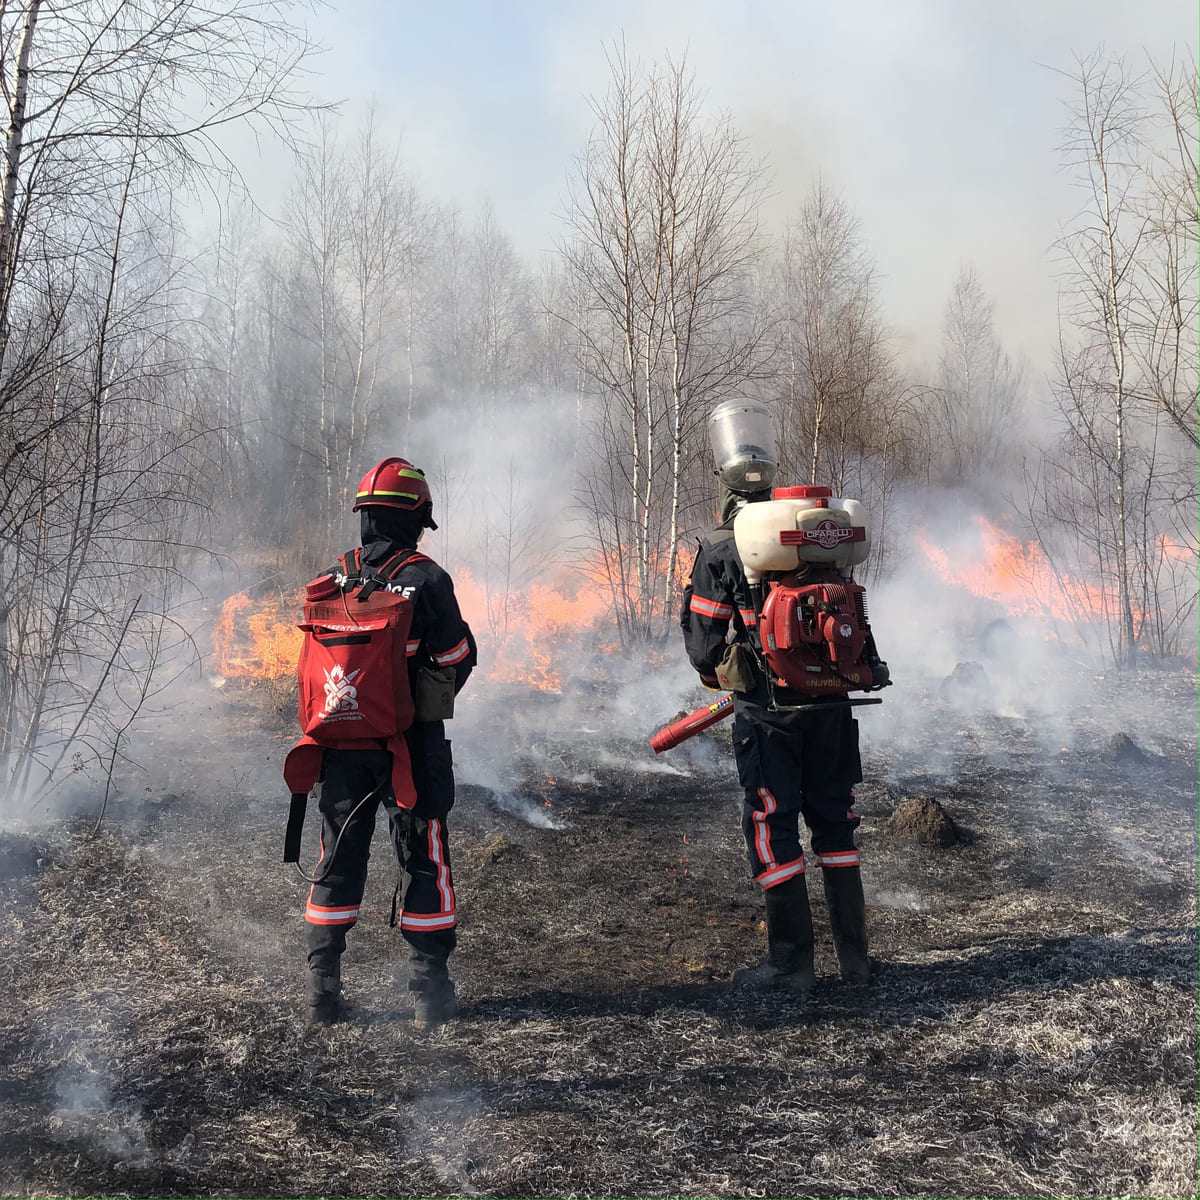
(395, 508)
(790, 765)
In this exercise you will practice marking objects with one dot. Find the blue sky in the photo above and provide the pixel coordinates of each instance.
(937, 120)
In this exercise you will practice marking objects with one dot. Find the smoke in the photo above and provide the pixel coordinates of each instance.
(554, 698)
(970, 635)
(449, 1132)
(904, 899)
(525, 809)
(85, 1112)
(520, 744)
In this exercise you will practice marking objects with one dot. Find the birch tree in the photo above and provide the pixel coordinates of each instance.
(102, 422)
(1121, 482)
(662, 245)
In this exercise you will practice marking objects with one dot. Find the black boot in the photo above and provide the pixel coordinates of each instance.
(434, 1002)
(848, 919)
(323, 975)
(789, 961)
(323, 994)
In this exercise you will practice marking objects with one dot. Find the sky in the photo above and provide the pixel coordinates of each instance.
(936, 120)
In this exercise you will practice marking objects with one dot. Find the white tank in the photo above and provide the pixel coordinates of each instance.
(801, 525)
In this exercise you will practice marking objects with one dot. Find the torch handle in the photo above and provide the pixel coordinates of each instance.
(696, 722)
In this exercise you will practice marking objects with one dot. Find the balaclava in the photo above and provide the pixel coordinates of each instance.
(386, 530)
(732, 501)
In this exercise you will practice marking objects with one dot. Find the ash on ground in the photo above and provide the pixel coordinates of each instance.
(1032, 1030)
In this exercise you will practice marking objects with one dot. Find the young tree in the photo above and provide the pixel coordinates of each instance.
(1123, 476)
(972, 409)
(830, 326)
(663, 241)
(839, 399)
(1162, 335)
(102, 424)
(499, 314)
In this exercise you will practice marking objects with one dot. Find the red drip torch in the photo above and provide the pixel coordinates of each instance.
(694, 723)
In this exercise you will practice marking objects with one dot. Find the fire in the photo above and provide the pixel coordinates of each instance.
(526, 635)
(1169, 548)
(1018, 576)
(258, 639)
(528, 631)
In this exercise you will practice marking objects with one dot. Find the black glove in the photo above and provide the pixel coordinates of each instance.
(711, 682)
(881, 677)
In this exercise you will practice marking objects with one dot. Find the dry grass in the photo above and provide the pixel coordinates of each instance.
(1032, 1033)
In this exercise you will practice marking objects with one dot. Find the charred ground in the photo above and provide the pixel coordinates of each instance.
(1032, 1031)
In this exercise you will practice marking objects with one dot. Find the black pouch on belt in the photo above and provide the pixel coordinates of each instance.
(433, 698)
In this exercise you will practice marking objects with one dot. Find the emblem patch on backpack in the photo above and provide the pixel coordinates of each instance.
(341, 696)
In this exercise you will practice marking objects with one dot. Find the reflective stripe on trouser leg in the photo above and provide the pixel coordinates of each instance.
(769, 772)
(839, 858)
(427, 890)
(772, 839)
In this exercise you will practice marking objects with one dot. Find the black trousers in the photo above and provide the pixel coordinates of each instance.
(804, 767)
(427, 911)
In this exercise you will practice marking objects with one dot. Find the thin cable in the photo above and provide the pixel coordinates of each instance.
(338, 840)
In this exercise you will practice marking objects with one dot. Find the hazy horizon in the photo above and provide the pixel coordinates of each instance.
(937, 122)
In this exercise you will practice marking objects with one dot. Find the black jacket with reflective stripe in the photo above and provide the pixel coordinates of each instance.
(444, 638)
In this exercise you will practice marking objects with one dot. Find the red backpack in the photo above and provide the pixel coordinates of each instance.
(353, 676)
(353, 667)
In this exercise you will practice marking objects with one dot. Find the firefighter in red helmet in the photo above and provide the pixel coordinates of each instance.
(395, 508)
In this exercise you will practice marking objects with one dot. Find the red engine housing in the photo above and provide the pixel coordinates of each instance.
(814, 632)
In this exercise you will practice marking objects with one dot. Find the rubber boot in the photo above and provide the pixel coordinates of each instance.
(789, 961)
(434, 1002)
(323, 995)
(848, 920)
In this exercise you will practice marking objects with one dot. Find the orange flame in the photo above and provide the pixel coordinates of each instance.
(527, 631)
(258, 639)
(524, 634)
(1170, 548)
(1018, 576)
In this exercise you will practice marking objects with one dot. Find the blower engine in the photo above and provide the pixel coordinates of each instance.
(812, 616)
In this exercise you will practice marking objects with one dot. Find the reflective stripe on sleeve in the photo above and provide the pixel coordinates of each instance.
(748, 617)
(710, 608)
(410, 648)
(454, 655)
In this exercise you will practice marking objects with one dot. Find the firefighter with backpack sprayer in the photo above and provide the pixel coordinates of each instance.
(795, 741)
(386, 650)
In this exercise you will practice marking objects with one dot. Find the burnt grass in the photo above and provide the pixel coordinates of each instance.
(1031, 1032)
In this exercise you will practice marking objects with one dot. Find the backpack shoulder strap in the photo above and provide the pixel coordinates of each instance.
(351, 564)
(392, 567)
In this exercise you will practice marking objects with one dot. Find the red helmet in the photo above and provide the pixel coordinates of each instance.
(395, 483)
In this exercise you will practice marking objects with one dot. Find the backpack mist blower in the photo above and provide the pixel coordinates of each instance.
(798, 551)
